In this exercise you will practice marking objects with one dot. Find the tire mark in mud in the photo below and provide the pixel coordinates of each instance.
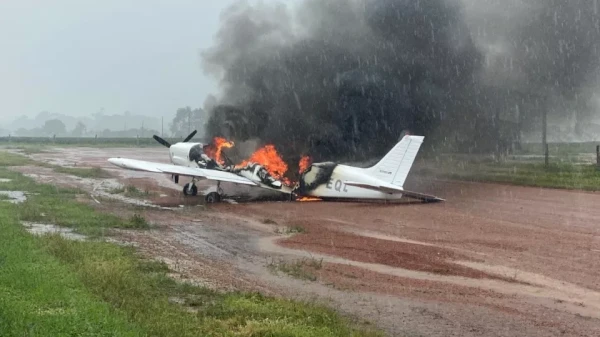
(200, 242)
(567, 294)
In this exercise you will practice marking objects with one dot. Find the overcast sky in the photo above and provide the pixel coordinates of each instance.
(75, 57)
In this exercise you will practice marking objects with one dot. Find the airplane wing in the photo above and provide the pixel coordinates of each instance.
(140, 165)
(391, 189)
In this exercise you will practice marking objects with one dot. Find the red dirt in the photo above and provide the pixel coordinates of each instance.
(555, 233)
(359, 279)
(321, 239)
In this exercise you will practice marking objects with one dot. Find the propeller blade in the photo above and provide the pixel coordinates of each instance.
(190, 136)
(162, 141)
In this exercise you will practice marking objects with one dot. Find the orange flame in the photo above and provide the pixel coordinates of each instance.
(215, 149)
(305, 162)
(270, 159)
(267, 156)
(308, 199)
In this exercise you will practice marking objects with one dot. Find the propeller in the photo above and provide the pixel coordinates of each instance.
(167, 144)
(190, 136)
(162, 141)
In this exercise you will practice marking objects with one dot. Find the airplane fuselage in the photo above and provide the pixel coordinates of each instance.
(329, 182)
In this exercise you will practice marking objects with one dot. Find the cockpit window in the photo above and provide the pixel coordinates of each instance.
(196, 153)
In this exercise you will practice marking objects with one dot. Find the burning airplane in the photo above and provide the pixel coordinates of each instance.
(266, 169)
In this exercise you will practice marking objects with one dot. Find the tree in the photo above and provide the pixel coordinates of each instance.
(187, 120)
(79, 130)
(54, 127)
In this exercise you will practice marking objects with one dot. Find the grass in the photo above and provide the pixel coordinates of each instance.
(12, 159)
(24, 142)
(303, 269)
(131, 192)
(43, 297)
(562, 175)
(290, 230)
(134, 192)
(137, 221)
(84, 172)
(52, 286)
(560, 148)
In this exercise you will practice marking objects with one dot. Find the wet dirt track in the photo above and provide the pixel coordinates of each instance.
(493, 260)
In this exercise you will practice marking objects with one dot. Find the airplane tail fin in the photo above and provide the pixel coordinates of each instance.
(396, 164)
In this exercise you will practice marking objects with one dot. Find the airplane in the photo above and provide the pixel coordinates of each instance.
(383, 181)
(190, 160)
(325, 181)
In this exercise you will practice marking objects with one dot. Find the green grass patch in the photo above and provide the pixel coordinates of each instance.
(557, 175)
(560, 148)
(137, 221)
(42, 296)
(55, 205)
(134, 192)
(303, 269)
(268, 221)
(131, 191)
(290, 230)
(13, 159)
(145, 293)
(84, 172)
(117, 190)
(29, 150)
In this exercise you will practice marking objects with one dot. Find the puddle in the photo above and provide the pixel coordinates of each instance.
(15, 197)
(4, 180)
(41, 229)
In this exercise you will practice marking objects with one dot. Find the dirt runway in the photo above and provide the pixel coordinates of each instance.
(493, 260)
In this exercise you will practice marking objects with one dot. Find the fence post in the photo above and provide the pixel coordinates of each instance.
(598, 156)
(546, 154)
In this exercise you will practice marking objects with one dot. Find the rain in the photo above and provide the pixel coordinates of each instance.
(311, 168)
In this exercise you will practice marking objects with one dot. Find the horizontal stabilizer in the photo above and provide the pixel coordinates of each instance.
(422, 196)
(390, 189)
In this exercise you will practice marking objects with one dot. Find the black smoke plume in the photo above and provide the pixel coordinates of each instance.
(344, 78)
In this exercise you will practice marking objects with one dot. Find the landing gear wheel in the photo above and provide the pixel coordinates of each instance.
(212, 197)
(190, 189)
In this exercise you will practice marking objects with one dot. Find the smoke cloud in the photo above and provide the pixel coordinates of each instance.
(344, 78)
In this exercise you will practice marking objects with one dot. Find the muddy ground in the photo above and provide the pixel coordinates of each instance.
(492, 260)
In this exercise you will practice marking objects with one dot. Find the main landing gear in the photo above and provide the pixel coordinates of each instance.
(190, 189)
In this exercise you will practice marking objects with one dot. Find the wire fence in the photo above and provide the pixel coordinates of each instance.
(90, 141)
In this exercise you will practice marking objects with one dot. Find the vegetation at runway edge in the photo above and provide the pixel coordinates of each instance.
(53, 286)
(303, 269)
(559, 175)
(83, 172)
